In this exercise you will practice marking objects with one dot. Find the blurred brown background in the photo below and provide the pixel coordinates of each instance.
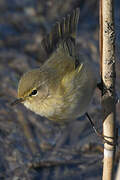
(24, 135)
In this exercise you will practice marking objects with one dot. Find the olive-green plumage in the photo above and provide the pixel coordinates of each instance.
(61, 89)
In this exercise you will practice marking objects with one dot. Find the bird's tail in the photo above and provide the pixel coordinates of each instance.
(67, 27)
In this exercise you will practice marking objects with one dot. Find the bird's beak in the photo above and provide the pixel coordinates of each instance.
(17, 101)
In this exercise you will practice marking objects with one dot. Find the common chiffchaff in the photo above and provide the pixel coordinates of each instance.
(62, 88)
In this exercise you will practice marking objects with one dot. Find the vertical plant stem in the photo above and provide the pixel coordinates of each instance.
(118, 172)
(107, 49)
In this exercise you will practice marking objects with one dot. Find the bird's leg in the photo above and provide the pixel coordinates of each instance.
(93, 126)
(100, 86)
(99, 134)
(103, 89)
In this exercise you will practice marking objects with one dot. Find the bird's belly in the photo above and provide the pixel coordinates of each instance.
(60, 109)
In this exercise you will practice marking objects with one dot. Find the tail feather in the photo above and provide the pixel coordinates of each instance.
(62, 29)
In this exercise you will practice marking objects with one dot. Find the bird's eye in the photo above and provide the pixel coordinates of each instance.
(33, 93)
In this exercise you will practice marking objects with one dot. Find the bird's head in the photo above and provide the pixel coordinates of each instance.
(32, 89)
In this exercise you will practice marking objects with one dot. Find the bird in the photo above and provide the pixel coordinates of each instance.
(61, 89)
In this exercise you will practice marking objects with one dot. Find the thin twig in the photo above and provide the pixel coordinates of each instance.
(50, 163)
